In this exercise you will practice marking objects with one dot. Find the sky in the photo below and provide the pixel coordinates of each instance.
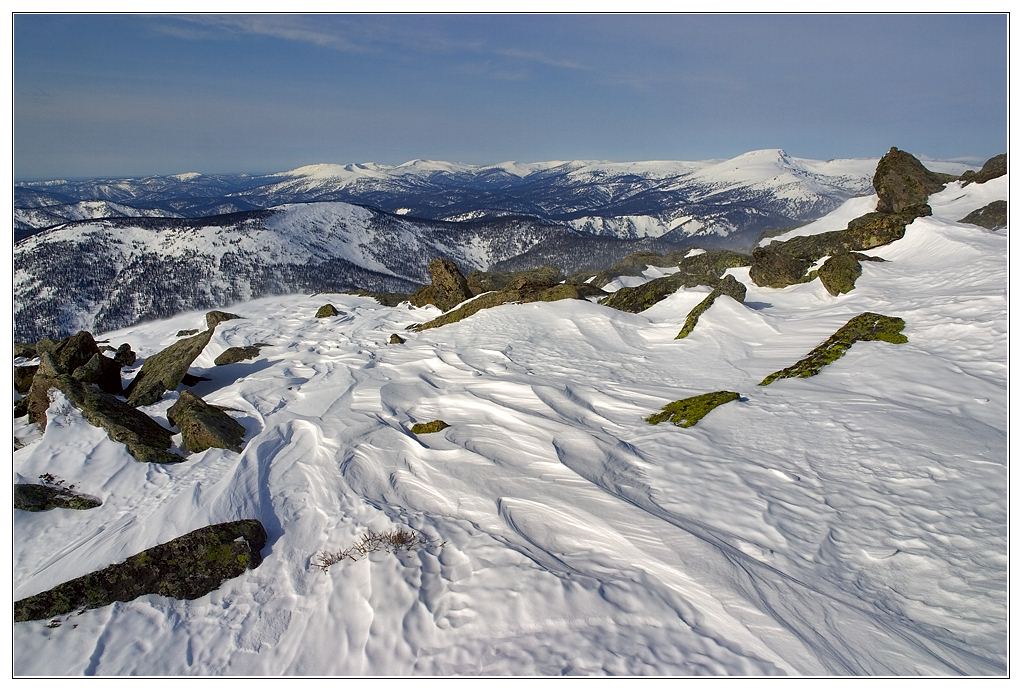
(124, 95)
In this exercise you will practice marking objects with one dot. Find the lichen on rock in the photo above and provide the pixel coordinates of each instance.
(204, 426)
(431, 427)
(163, 371)
(36, 497)
(868, 326)
(727, 286)
(686, 413)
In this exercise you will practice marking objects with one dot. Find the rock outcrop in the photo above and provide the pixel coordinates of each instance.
(839, 273)
(187, 567)
(204, 426)
(215, 317)
(163, 371)
(395, 339)
(23, 350)
(125, 356)
(992, 216)
(868, 326)
(447, 287)
(686, 413)
(483, 282)
(994, 167)
(902, 182)
(699, 270)
(727, 286)
(522, 290)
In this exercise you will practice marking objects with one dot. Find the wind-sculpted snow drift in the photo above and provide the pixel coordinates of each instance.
(853, 522)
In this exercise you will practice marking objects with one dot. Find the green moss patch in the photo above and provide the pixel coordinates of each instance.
(686, 413)
(431, 427)
(187, 567)
(868, 326)
(327, 310)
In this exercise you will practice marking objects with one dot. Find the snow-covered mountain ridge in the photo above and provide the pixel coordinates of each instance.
(743, 195)
(851, 523)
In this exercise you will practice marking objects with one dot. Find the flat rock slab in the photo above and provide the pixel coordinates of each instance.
(204, 426)
(215, 317)
(187, 567)
(164, 370)
(686, 413)
(34, 497)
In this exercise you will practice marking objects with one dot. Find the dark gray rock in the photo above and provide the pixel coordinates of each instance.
(125, 356)
(23, 375)
(34, 497)
(447, 287)
(395, 339)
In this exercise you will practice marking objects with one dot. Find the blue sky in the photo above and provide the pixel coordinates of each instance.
(127, 95)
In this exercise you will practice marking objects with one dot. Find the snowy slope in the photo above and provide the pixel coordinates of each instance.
(43, 217)
(850, 523)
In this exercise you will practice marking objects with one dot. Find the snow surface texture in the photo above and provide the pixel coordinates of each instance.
(850, 523)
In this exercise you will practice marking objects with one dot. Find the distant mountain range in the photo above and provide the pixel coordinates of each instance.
(85, 258)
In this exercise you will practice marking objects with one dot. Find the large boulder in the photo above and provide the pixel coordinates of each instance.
(447, 287)
(164, 370)
(901, 182)
(215, 317)
(187, 567)
(994, 167)
(482, 282)
(204, 426)
(102, 371)
(992, 216)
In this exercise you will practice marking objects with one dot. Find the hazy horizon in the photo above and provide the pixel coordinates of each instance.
(136, 95)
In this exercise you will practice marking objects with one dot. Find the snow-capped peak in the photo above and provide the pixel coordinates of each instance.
(185, 177)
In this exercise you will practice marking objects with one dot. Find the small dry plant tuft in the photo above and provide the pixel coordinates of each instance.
(373, 541)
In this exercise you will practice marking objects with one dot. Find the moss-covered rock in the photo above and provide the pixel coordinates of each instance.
(101, 371)
(204, 426)
(868, 326)
(686, 413)
(727, 286)
(125, 356)
(991, 216)
(902, 182)
(775, 268)
(994, 167)
(839, 273)
(484, 282)
(34, 497)
(520, 291)
(187, 332)
(237, 354)
(23, 375)
(395, 339)
(187, 567)
(163, 371)
(447, 287)
(327, 310)
(878, 228)
(215, 317)
(431, 427)
(385, 298)
(74, 351)
(699, 270)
